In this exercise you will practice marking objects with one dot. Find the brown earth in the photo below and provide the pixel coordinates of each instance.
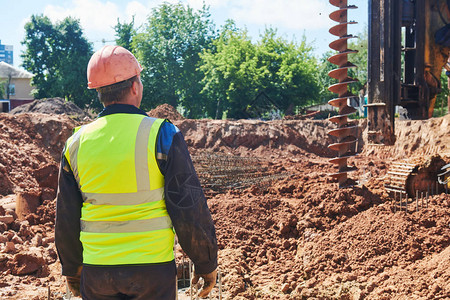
(165, 111)
(296, 237)
(56, 106)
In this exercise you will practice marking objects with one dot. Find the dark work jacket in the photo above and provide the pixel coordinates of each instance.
(185, 202)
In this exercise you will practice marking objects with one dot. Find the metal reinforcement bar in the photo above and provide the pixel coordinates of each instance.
(185, 289)
(421, 198)
(219, 173)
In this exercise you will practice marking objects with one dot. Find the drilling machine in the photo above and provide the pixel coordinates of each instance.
(405, 62)
(409, 44)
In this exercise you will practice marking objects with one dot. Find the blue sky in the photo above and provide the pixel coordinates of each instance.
(292, 18)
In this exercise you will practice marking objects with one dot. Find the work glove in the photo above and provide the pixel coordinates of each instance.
(74, 283)
(209, 282)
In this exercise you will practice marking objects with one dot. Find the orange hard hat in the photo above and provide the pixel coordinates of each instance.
(110, 65)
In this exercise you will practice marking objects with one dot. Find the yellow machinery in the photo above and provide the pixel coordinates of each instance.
(409, 44)
(444, 177)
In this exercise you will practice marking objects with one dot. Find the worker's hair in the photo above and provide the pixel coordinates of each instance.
(115, 93)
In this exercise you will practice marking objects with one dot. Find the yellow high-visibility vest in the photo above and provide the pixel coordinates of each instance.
(124, 219)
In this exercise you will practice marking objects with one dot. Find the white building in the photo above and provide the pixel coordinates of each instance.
(16, 85)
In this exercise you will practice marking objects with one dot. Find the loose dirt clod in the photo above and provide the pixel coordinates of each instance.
(297, 236)
(165, 111)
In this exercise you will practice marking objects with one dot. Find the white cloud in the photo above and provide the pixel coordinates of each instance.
(95, 16)
(138, 10)
(198, 4)
(298, 14)
(98, 17)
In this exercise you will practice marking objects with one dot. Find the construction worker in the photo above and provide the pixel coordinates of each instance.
(126, 184)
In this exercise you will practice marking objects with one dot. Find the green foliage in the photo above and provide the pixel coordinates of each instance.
(57, 55)
(360, 72)
(359, 59)
(287, 71)
(324, 81)
(230, 72)
(169, 48)
(124, 34)
(441, 105)
(236, 71)
(3, 89)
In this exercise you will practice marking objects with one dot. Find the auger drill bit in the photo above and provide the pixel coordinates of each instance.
(346, 131)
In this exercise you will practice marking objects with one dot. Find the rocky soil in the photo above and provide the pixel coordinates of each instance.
(57, 106)
(297, 236)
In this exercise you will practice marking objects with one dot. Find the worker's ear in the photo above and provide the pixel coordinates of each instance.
(134, 88)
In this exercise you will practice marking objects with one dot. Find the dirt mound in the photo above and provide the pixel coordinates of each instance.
(31, 146)
(415, 139)
(165, 111)
(28, 256)
(52, 106)
(376, 244)
(261, 138)
(304, 238)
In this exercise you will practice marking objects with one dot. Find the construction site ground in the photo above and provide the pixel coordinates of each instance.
(284, 228)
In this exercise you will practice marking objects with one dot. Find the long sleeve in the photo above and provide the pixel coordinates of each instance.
(67, 226)
(187, 207)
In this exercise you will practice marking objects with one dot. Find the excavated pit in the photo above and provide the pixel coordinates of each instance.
(289, 233)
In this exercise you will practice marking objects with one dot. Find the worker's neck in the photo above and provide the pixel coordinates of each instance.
(128, 101)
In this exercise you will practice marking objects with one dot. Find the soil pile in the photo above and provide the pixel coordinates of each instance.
(278, 248)
(53, 106)
(165, 111)
(31, 146)
(416, 139)
(260, 138)
(294, 237)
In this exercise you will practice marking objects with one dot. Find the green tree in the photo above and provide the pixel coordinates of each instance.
(360, 73)
(230, 71)
(41, 41)
(288, 71)
(324, 81)
(57, 55)
(359, 59)
(3, 89)
(168, 48)
(125, 33)
(441, 104)
(236, 71)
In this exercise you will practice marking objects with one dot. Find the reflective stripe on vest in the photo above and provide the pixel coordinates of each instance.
(143, 216)
(73, 152)
(124, 198)
(127, 226)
